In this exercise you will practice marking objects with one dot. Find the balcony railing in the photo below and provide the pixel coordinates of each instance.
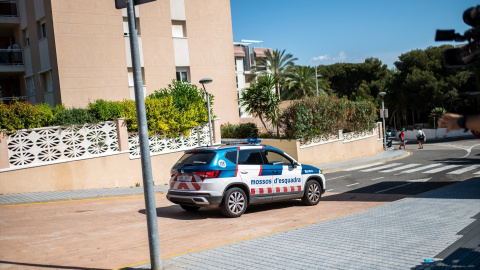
(8, 9)
(11, 57)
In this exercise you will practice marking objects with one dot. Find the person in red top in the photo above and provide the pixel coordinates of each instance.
(402, 139)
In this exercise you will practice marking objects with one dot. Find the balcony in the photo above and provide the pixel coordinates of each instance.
(8, 14)
(8, 8)
(11, 60)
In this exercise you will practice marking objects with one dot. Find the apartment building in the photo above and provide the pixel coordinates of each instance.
(73, 52)
(246, 67)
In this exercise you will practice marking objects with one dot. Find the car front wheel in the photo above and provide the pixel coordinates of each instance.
(234, 203)
(312, 193)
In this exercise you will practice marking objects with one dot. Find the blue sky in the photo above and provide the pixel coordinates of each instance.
(326, 32)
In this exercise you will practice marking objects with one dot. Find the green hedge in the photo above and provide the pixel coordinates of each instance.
(171, 111)
(240, 131)
(326, 115)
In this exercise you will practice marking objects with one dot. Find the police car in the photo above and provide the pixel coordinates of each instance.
(233, 176)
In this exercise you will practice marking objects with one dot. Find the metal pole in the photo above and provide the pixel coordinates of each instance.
(209, 120)
(149, 194)
(384, 132)
(316, 79)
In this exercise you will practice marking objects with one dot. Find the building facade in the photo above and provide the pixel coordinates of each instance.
(74, 52)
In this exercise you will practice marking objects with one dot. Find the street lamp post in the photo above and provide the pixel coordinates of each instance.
(203, 82)
(382, 94)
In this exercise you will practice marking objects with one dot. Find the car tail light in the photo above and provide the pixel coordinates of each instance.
(208, 174)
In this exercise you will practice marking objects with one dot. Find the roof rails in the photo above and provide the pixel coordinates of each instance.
(248, 141)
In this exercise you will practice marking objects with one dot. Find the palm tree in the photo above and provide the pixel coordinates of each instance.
(300, 82)
(276, 62)
(259, 100)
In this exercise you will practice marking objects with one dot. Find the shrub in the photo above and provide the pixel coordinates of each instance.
(19, 115)
(72, 116)
(228, 130)
(45, 114)
(326, 115)
(240, 131)
(105, 110)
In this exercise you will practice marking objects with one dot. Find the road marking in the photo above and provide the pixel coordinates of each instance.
(420, 168)
(363, 166)
(442, 169)
(378, 178)
(353, 184)
(338, 177)
(393, 188)
(477, 173)
(401, 168)
(382, 167)
(409, 182)
(466, 169)
(419, 180)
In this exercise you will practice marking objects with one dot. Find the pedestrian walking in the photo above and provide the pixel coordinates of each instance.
(420, 137)
(402, 139)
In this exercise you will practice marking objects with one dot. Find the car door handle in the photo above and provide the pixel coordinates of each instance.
(244, 172)
(274, 171)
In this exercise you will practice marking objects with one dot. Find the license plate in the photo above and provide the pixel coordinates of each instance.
(185, 178)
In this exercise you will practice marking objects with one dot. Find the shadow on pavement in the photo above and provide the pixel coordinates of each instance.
(50, 266)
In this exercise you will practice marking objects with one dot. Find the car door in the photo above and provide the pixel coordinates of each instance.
(259, 181)
(287, 177)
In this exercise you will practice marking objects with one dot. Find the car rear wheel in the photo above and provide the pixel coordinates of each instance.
(313, 193)
(189, 208)
(234, 203)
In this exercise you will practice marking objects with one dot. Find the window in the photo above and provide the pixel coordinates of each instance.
(30, 86)
(42, 30)
(46, 78)
(232, 156)
(26, 39)
(126, 30)
(196, 159)
(178, 29)
(252, 156)
(275, 158)
(130, 77)
(182, 74)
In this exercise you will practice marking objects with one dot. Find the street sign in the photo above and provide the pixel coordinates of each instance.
(386, 113)
(476, 133)
(120, 4)
(434, 114)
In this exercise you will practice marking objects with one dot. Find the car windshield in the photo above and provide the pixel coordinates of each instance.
(196, 159)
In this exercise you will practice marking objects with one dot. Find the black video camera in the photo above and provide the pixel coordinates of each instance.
(466, 54)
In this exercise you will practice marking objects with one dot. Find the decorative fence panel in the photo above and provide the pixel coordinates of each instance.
(163, 145)
(53, 144)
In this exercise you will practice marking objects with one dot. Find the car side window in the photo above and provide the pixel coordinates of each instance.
(232, 156)
(275, 158)
(250, 156)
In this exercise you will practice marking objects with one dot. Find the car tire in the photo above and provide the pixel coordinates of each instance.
(189, 208)
(313, 193)
(234, 203)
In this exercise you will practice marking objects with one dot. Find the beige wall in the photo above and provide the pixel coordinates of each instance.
(328, 152)
(210, 37)
(103, 172)
(92, 60)
(121, 171)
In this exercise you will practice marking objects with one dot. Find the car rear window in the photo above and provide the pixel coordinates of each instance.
(196, 159)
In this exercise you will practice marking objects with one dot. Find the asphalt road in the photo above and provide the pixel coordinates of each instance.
(436, 165)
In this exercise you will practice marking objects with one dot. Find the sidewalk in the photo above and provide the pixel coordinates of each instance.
(38, 197)
(434, 230)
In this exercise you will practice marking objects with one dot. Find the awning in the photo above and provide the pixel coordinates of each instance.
(238, 51)
(260, 52)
